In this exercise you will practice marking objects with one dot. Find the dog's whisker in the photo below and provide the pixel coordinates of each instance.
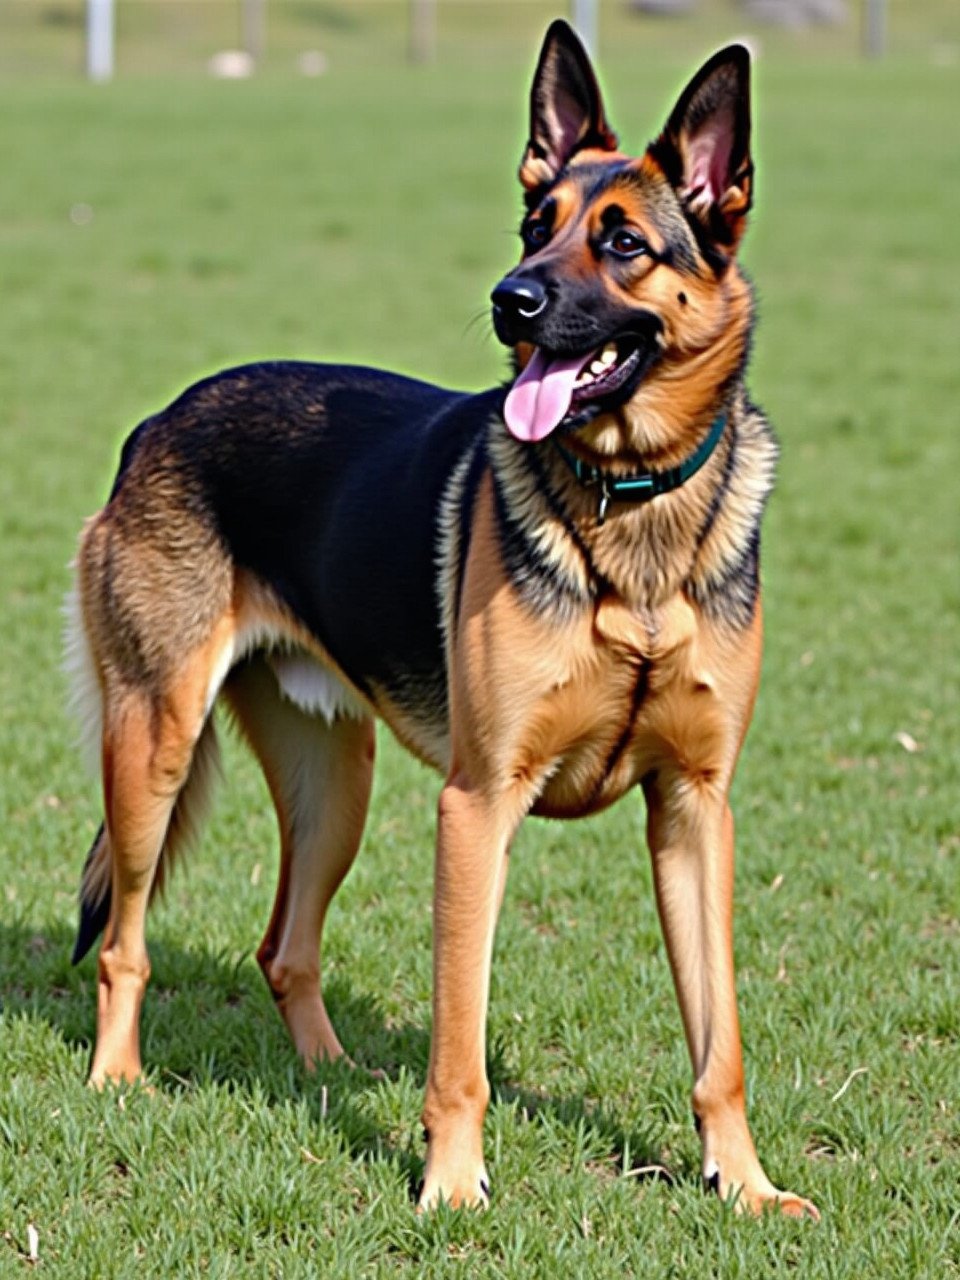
(482, 316)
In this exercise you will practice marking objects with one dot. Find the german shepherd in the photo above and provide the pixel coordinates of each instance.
(549, 591)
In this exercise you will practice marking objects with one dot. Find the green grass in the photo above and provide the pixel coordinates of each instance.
(365, 216)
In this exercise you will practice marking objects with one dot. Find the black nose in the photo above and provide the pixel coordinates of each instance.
(519, 298)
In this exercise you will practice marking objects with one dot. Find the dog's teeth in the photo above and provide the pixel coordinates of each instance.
(609, 354)
(598, 366)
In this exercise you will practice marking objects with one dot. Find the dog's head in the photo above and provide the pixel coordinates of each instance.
(627, 307)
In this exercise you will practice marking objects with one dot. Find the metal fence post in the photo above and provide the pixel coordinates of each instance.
(100, 39)
(874, 27)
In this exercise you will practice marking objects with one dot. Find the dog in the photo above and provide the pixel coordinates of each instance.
(548, 590)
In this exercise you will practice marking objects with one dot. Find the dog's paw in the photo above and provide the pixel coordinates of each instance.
(793, 1206)
(122, 1085)
(785, 1202)
(459, 1188)
(455, 1173)
(759, 1196)
(732, 1170)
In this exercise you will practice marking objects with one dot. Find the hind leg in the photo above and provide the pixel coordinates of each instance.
(319, 775)
(148, 744)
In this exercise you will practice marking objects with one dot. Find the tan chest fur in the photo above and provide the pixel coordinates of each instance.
(580, 712)
(644, 694)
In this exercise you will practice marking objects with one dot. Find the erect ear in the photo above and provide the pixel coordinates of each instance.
(705, 147)
(566, 111)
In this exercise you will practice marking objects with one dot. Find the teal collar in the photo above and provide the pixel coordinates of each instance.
(643, 485)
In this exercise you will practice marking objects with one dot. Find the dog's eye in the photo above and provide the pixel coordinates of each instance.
(626, 244)
(535, 235)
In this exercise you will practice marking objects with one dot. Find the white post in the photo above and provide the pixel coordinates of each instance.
(253, 23)
(100, 39)
(422, 44)
(874, 27)
(584, 17)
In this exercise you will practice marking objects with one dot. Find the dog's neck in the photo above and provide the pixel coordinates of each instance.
(641, 486)
(645, 554)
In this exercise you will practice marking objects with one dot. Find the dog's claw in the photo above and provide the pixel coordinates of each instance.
(792, 1206)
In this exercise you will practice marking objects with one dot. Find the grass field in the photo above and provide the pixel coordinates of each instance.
(156, 229)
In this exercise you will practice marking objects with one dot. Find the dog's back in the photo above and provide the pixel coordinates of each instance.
(319, 487)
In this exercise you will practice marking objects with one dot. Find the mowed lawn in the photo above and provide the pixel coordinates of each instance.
(159, 228)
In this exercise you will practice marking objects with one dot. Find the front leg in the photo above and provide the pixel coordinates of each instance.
(690, 832)
(472, 842)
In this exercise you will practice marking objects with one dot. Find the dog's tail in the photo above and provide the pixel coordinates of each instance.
(186, 822)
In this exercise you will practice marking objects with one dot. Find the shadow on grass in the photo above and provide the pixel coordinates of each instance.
(622, 1152)
(210, 1020)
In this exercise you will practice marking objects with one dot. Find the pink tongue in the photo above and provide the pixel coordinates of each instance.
(539, 399)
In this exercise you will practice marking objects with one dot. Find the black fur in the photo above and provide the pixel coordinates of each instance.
(539, 584)
(93, 915)
(315, 471)
(565, 87)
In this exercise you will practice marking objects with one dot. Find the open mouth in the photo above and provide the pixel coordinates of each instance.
(552, 388)
(606, 371)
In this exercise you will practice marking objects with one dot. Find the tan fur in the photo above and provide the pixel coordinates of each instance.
(545, 709)
(537, 707)
(319, 776)
(148, 746)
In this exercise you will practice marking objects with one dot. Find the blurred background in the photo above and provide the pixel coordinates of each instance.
(306, 178)
(153, 37)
